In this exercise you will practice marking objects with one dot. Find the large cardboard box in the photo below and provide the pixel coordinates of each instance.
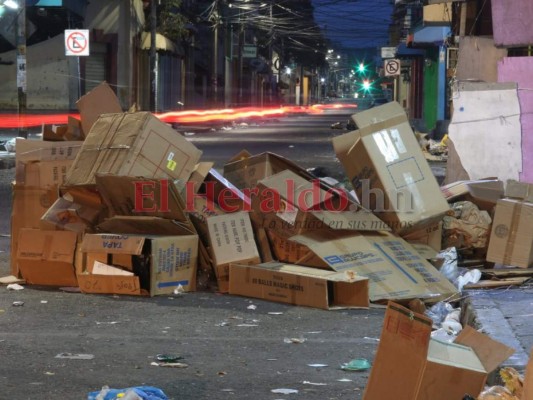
(511, 239)
(133, 144)
(290, 204)
(29, 205)
(436, 370)
(100, 100)
(430, 235)
(159, 264)
(44, 174)
(388, 170)
(394, 268)
(47, 257)
(231, 241)
(300, 286)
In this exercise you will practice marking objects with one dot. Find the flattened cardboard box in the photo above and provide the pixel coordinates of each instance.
(232, 241)
(160, 263)
(300, 286)
(511, 239)
(289, 205)
(437, 370)
(29, 205)
(387, 168)
(47, 257)
(394, 268)
(133, 144)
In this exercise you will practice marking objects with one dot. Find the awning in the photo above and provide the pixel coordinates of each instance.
(404, 51)
(161, 42)
(431, 35)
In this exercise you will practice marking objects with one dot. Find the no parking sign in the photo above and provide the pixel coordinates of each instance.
(76, 42)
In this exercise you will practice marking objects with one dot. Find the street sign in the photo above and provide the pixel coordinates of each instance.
(249, 51)
(388, 52)
(392, 67)
(77, 42)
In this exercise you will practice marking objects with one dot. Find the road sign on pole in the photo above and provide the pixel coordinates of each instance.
(77, 42)
(392, 67)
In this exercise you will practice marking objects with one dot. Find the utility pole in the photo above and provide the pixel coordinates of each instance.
(21, 68)
(215, 54)
(153, 56)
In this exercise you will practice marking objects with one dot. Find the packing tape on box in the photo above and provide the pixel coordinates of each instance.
(513, 230)
(399, 119)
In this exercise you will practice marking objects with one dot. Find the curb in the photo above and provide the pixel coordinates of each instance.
(485, 315)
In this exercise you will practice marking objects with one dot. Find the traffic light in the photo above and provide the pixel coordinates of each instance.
(361, 68)
(366, 85)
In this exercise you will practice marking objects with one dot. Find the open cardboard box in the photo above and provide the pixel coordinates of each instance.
(388, 170)
(299, 285)
(409, 365)
(484, 193)
(157, 264)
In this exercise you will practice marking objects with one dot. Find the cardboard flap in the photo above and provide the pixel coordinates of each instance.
(145, 226)
(200, 172)
(100, 100)
(490, 190)
(57, 246)
(490, 352)
(381, 117)
(109, 243)
(401, 355)
(345, 276)
(137, 196)
(241, 155)
(519, 190)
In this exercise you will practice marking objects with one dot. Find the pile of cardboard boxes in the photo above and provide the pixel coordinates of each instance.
(121, 203)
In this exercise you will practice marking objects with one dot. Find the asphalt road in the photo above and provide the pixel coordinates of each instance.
(232, 351)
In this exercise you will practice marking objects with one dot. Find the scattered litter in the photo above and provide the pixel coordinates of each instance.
(371, 338)
(275, 313)
(73, 356)
(284, 391)
(295, 340)
(223, 323)
(179, 290)
(44, 301)
(14, 286)
(5, 280)
(247, 325)
(138, 392)
(49, 373)
(252, 307)
(18, 303)
(70, 289)
(169, 358)
(317, 365)
(291, 146)
(222, 373)
(189, 133)
(227, 390)
(313, 383)
(358, 364)
(272, 359)
(10, 145)
(344, 380)
(107, 323)
(313, 332)
(169, 364)
(337, 125)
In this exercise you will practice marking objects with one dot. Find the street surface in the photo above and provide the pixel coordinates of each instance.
(232, 352)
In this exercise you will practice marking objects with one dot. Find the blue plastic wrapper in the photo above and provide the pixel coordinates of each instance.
(144, 392)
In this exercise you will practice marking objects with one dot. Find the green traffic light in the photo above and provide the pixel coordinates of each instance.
(361, 67)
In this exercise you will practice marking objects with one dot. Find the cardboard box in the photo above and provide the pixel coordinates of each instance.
(528, 380)
(519, 190)
(100, 100)
(47, 257)
(285, 250)
(38, 150)
(133, 144)
(29, 205)
(290, 205)
(511, 239)
(483, 193)
(394, 268)
(246, 171)
(160, 263)
(45, 174)
(387, 168)
(437, 370)
(300, 286)
(231, 241)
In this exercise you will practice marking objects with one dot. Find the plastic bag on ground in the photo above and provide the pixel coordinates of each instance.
(142, 392)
